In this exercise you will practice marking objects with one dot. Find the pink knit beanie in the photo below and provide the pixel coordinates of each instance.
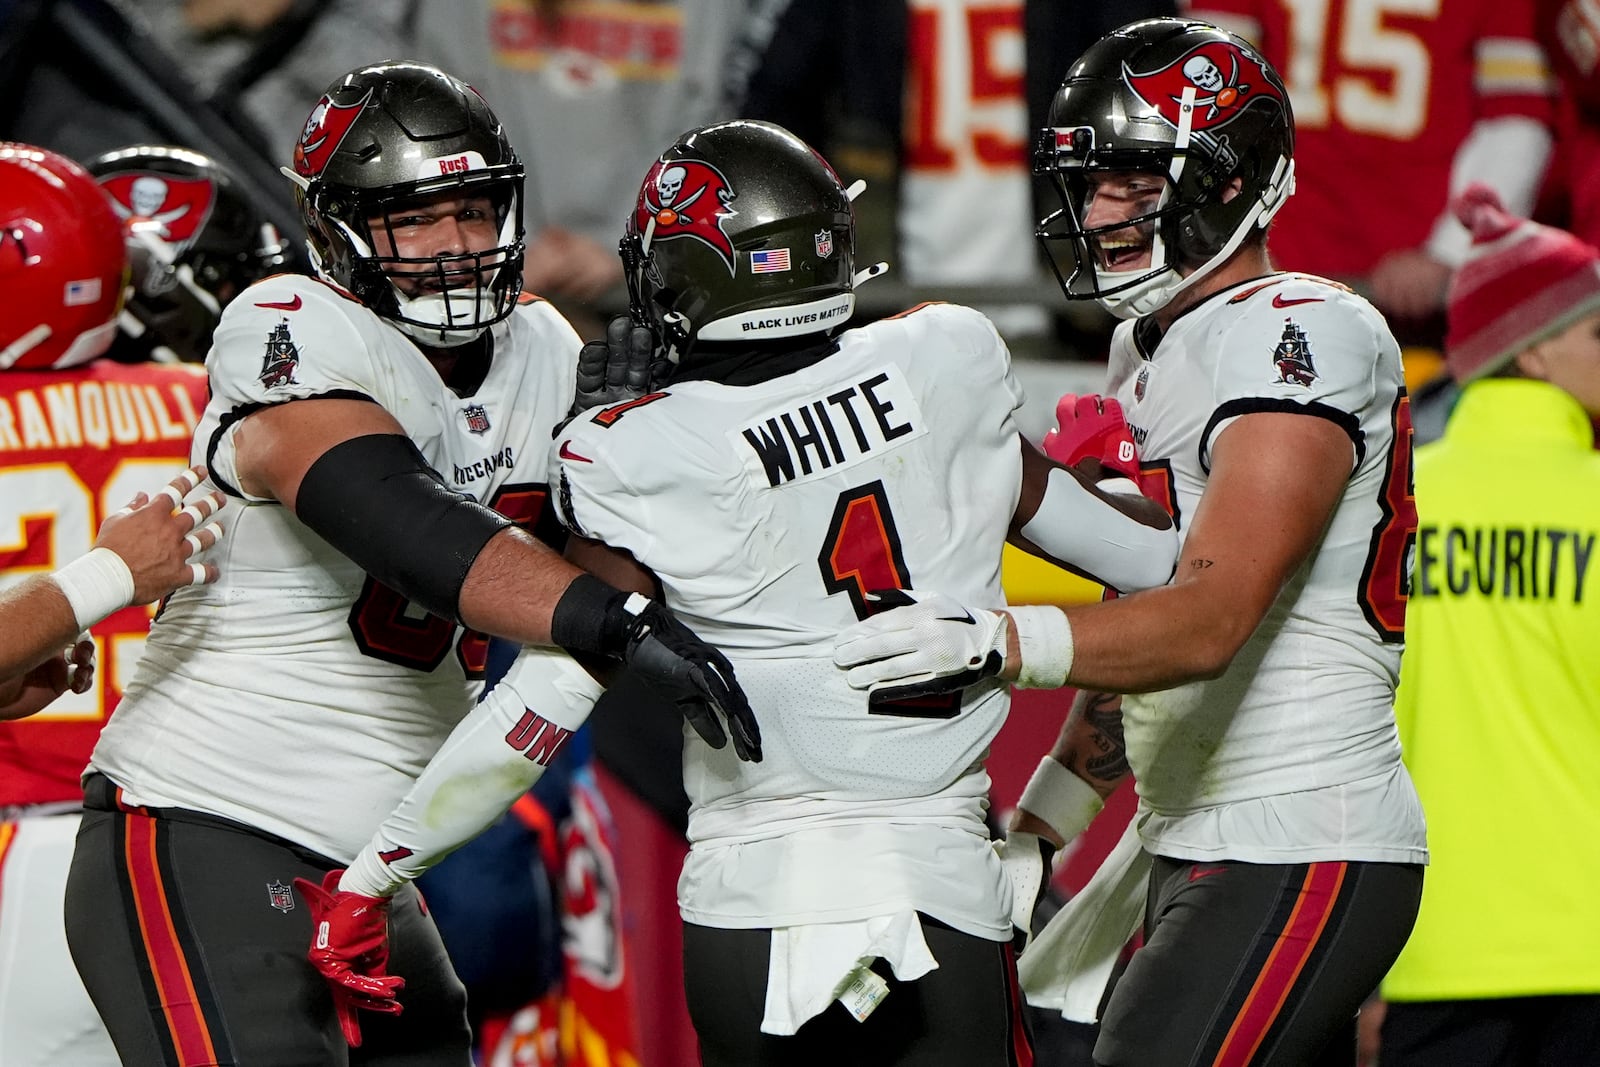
(1523, 282)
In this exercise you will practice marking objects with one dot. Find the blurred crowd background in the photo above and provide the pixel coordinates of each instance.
(934, 103)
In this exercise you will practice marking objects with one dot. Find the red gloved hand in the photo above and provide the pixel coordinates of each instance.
(350, 949)
(1092, 427)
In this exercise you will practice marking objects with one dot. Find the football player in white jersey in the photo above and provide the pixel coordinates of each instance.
(788, 479)
(381, 432)
(1285, 840)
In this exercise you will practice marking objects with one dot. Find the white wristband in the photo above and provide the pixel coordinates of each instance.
(1062, 799)
(95, 585)
(1044, 642)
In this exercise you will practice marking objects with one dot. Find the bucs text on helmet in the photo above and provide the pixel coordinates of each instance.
(62, 263)
(194, 242)
(393, 136)
(1185, 101)
(741, 232)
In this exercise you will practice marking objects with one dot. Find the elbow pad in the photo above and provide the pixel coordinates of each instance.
(375, 499)
(1079, 529)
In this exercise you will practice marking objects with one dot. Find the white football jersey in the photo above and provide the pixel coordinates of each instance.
(769, 511)
(1292, 754)
(296, 694)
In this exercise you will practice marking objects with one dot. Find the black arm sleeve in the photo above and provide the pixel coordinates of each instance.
(376, 500)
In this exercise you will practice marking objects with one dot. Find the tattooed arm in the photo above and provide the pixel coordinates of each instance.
(1091, 747)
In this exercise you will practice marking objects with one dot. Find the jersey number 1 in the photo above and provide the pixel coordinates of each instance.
(861, 553)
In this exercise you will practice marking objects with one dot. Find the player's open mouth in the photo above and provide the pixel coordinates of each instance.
(1122, 252)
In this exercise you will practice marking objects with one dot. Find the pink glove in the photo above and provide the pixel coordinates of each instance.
(350, 949)
(1092, 427)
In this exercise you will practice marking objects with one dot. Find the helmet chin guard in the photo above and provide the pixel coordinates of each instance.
(474, 308)
(1182, 100)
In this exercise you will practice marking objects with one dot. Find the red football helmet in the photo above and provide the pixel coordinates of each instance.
(63, 266)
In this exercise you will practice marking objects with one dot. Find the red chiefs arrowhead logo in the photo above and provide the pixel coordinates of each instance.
(1226, 79)
(324, 131)
(170, 208)
(686, 198)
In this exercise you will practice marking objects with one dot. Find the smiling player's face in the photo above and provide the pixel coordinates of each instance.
(1117, 196)
(445, 225)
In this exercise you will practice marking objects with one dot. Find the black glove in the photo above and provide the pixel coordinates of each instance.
(616, 369)
(668, 657)
(592, 616)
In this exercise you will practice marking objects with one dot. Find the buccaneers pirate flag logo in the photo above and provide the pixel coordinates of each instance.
(171, 208)
(325, 130)
(686, 198)
(1227, 80)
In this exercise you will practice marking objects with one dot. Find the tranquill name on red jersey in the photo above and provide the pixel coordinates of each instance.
(94, 414)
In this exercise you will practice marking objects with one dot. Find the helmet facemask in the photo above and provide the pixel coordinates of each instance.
(444, 300)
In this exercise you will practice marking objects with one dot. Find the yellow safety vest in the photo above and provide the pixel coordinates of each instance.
(1499, 700)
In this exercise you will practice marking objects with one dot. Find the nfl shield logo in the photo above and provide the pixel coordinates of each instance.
(280, 897)
(1141, 383)
(477, 418)
(824, 239)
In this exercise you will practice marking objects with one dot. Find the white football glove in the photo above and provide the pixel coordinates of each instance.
(926, 644)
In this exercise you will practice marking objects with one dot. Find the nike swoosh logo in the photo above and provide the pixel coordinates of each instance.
(1197, 872)
(965, 616)
(566, 452)
(283, 305)
(1279, 302)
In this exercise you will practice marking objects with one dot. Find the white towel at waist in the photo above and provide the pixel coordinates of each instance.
(809, 964)
(1069, 962)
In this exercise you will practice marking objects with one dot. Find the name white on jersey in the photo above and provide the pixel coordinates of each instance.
(769, 512)
(826, 434)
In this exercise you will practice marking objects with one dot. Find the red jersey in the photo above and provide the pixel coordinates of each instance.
(76, 445)
(1383, 92)
(1570, 32)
